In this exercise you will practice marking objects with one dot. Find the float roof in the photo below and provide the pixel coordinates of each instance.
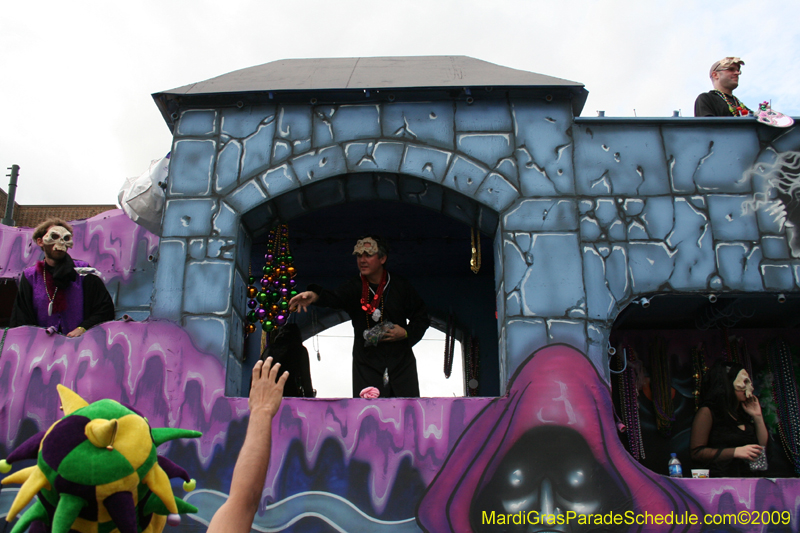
(345, 80)
(371, 73)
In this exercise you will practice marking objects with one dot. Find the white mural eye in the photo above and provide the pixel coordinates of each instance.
(516, 478)
(576, 478)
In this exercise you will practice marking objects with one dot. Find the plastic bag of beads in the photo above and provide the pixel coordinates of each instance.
(373, 335)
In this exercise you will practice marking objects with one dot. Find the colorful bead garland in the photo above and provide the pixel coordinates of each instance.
(784, 392)
(268, 300)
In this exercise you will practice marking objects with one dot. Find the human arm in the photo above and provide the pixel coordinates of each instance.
(237, 513)
(706, 455)
(23, 313)
(753, 408)
(97, 305)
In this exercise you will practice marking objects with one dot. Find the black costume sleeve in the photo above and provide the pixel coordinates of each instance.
(702, 453)
(97, 303)
(23, 313)
(710, 105)
(346, 296)
(418, 319)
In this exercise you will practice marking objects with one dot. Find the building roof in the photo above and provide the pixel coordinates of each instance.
(29, 216)
(345, 80)
(371, 73)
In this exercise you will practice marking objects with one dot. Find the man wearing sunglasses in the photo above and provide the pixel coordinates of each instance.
(721, 102)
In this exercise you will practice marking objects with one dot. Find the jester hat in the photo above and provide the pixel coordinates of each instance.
(97, 471)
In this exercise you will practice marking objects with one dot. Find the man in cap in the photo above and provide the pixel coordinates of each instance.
(720, 102)
(60, 293)
(382, 358)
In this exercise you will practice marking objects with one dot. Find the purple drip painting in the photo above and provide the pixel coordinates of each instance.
(430, 464)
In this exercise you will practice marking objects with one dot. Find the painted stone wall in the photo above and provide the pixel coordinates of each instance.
(587, 215)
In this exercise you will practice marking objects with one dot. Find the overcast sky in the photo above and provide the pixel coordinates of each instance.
(78, 118)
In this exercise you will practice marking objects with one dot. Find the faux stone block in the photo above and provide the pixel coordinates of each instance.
(599, 301)
(710, 159)
(430, 123)
(190, 168)
(247, 196)
(239, 292)
(605, 210)
(553, 283)
(777, 276)
(294, 123)
(738, 266)
(236, 331)
(617, 272)
(775, 247)
(658, 216)
(421, 192)
(542, 215)
(256, 150)
(572, 332)
(225, 221)
(168, 294)
(516, 259)
(459, 207)
(489, 148)
(352, 122)
(188, 218)
(209, 334)
(523, 337)
(729, 221)
(465, 175)
(369, 156)
(226, 175)
(322, 125)
(323, 163)
(197, 248)
(278, 180)
(386, 187)
(695, 261)
(483, 116)
(590, 229)
(281, 151)
(424, 162)
(325, 193)
(207, 287)
(620, 160)
(241, 123)
(197, 122)
(650, 264)
(244, 243)
(544, 147)
(496, 192)
(233, 374)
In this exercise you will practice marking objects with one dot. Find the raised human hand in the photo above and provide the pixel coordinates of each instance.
(266, 388)
(752, 406)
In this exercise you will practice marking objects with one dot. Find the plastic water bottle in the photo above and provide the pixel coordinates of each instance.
(675, 468)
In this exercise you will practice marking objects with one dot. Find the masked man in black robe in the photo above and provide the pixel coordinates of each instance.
(388, 318)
